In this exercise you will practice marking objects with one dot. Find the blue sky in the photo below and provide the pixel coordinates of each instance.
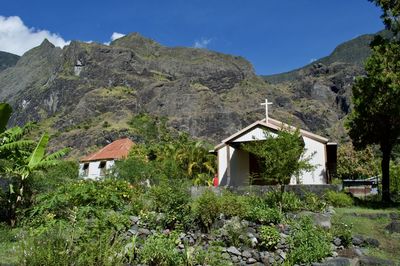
(274, 35)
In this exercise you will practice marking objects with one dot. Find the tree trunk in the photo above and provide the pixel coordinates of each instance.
(385, 164)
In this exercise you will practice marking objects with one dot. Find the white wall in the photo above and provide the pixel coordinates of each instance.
(239, 164)
(255, 134)
(318, 175)
(240, 168)
(239, 161)
(94, 170)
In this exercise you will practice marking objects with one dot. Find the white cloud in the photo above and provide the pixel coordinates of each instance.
(313, 60)
(116, 35)
(17, 38)
(202, 43)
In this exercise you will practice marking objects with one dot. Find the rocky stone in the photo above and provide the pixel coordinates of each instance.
(338, 261)
(251, 261)
(393, 227)
(235, 259)
(337, 241)
(133, 231)
(246, 254)
(271, 260)
(234, 251)
(372, 242)
(357, 240)
(134, 219)
(256, 255)
(282, 254)
(144, 231)
(226, 256)
(320, 219)
(253, 239)
(264, 257)
(373, 261)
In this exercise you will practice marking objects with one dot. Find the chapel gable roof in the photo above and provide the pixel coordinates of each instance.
(274, 125)
(118, 149)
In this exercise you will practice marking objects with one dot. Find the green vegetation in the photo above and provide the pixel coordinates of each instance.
(376, 96)
(308, 242)
(354, 164)
(269, 236)
(369, 222)
(279, 156)
(338, 199)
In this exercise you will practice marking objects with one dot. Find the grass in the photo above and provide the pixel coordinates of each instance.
(374, 228)
(8, 246)
(8, 254)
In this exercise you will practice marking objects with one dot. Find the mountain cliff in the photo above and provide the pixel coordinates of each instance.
(86, 93)
(7, 60)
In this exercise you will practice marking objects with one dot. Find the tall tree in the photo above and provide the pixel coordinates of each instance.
(376, 115)
(391, 14)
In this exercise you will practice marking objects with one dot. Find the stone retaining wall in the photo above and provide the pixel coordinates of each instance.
(299, 190)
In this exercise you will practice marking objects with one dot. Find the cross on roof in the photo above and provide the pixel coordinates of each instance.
(266, 103)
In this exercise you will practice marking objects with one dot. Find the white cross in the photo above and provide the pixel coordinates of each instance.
(266, 103)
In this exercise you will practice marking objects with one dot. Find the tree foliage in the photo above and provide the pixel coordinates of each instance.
(376, 97)
(354, 164)
(281, 156)
(391, 14)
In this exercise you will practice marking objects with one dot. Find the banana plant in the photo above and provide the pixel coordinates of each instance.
(21, 171)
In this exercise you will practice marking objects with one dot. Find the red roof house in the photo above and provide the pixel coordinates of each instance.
(95, 165)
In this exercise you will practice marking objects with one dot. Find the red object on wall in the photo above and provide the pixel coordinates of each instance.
(215, 180)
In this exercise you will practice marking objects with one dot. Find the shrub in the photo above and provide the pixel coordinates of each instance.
(342, 231)
(210, 256)
(269, 236)
(307, 242)
(205, 209)
(338, 199)
(54, 176)
(291, 202)
(136, 170)
(63, 244)
(171, 199)
(159, 250)
(90, 197)
(234, 232)
(233, 205)
(313, 202)
(288, 201)
(264, 215)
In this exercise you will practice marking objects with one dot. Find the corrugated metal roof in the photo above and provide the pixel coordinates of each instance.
(118, 149)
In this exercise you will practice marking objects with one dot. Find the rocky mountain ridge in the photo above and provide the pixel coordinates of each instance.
(7, 60)
(72, 92)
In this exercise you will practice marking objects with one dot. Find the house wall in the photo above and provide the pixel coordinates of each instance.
(94, 170)
(239, 161)
(255, 134)
(318, 175)
(239, 167)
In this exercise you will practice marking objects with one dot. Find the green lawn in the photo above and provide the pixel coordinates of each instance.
(374, 228)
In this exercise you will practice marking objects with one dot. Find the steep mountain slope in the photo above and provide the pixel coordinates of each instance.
(352, 52)
(86, 94)
(7, 60)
